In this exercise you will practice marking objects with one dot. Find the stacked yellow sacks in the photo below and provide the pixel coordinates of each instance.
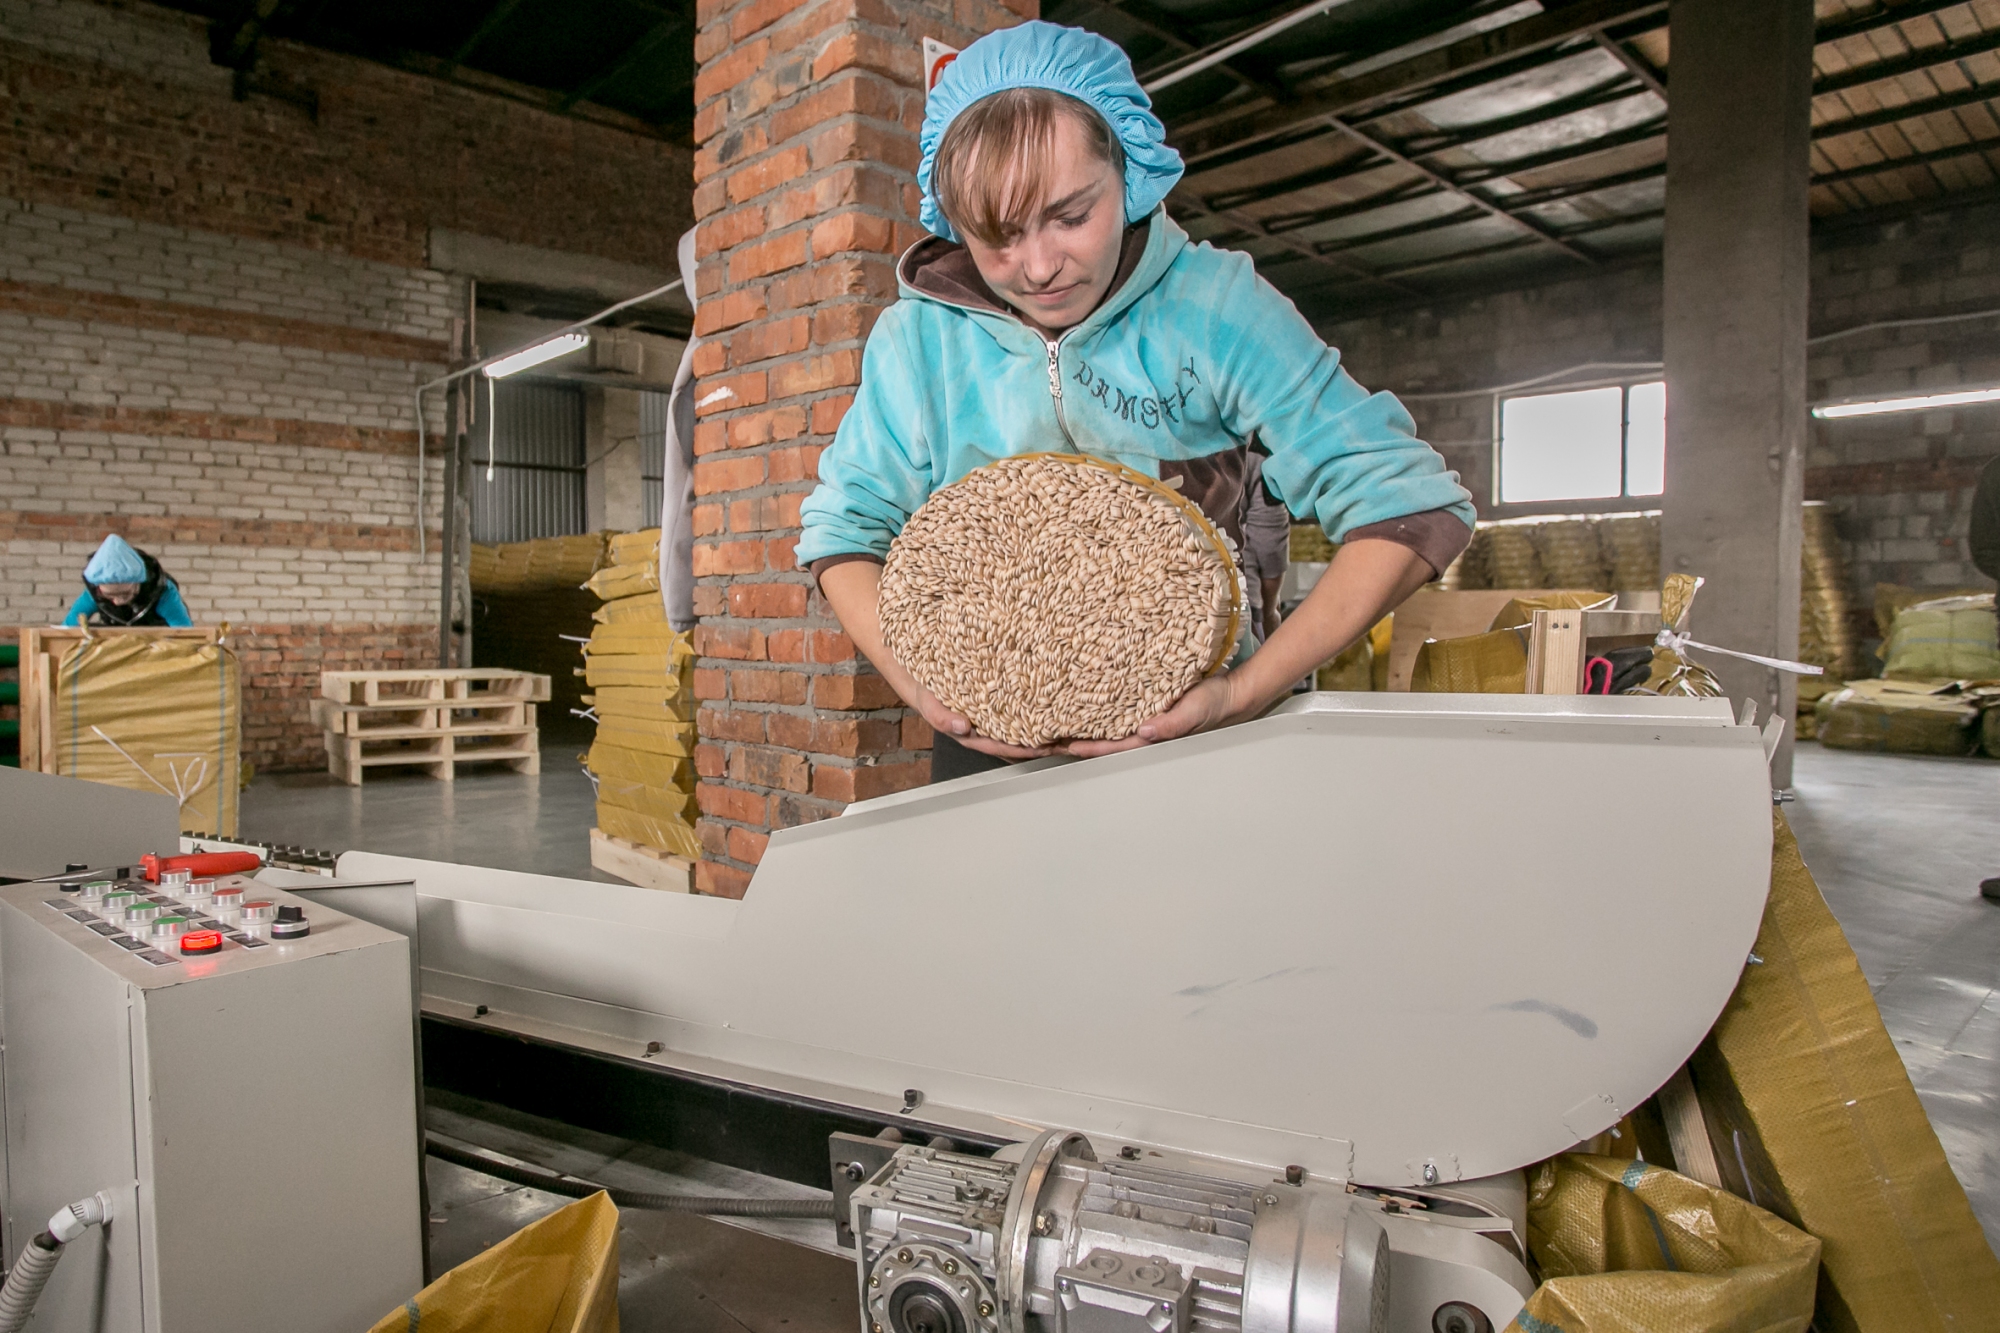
(640, 673)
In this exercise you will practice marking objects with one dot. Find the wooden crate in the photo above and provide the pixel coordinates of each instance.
(42, 648)
(647, 867)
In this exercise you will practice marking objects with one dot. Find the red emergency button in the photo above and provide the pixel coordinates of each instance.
(201, 941)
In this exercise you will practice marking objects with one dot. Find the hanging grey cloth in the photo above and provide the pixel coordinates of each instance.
(677, 488)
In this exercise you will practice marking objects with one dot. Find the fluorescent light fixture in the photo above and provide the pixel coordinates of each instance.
(560, 345)
(1911, 403)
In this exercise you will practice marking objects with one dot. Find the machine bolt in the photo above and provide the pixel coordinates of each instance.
(874, 1279)
(902, 1256)
(1430, 1173)
(1166, 1307)
(912, 1099)
(654, 1048)
(949, 1265)
(1129, 1153)
(853, 1171)
(874, 1328)
(1270, 1200)
(480, 1012)
(1295, 1175)
(986, 1309)
(1045, 1223)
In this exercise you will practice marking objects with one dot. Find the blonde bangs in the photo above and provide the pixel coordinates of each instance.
(995, 162)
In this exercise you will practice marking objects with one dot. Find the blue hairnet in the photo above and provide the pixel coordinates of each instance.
(115, 562)
(1068, 60)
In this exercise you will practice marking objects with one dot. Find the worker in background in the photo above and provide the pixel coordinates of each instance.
(1984, 539)
(1058, 306)
(1266, 551)
(122, 585)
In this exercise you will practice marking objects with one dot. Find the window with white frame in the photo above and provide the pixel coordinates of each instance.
(1584, 444)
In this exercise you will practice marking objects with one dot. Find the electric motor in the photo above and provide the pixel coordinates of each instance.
(1059, 1242)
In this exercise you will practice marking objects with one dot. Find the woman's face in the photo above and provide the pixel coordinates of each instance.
(1060, 265)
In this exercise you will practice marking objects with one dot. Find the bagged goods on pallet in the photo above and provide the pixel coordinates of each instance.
(1826, 627)
(1949, 638)
(634, 548)
(653, 702)
(1309, 544)
(641, 766)
(616, 581)
(154, 714)
(542, 565)
(645, 606)
(1622, 1245)
(1899, 717)
(1511, 558)
(669, 835)
(1631, 545)
(1058, 596)
(1571, 552)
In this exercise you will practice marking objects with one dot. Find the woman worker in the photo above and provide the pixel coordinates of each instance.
(122, 585)
(1058, 306)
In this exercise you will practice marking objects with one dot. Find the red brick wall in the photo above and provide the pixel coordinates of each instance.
(806, 122)
(281, 666)
(114, 107)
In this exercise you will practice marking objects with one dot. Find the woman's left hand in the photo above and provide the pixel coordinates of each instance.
(1208, 705)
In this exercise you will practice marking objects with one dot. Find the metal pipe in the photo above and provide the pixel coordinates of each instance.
(1244, 43)
(484, 362)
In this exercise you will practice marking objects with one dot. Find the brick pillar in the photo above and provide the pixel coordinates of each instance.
(807, 114)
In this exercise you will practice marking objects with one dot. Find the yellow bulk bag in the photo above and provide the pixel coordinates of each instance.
(1803, 1089)
(1625, 1247)
(616, 581)
(645, 606)
(1354, 669)
(154, 714)
(669, 835)
(643, 766)
(1898, 717)
(1492, 663)
(558, 1275)
(1950, 638)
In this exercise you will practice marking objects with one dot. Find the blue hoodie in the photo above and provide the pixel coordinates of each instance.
(1188, 358)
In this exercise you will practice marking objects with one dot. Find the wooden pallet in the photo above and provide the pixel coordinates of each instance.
(388, 719)
(471, 686)
(437, 751)
(647, 867)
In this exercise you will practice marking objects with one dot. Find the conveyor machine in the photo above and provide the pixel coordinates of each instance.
(1267, 1022)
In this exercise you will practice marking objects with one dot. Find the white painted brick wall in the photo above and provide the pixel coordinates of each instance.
(90, 472)
(102, 253)
(235, 583)
(110, 365)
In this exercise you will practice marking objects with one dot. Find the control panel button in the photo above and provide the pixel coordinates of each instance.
(140, 916)
(173, 881)
(201, 941)
(290, 924)
(168, 929)
(257, 918)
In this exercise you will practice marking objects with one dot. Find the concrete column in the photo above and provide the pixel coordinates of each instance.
(1735, 330)
(613, 484)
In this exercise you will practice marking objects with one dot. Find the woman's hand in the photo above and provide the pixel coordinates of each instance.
(853, 590)
(1210, 704)
(956, 725)
(1366, 580)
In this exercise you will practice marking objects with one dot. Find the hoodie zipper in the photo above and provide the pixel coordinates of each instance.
(1055, 389)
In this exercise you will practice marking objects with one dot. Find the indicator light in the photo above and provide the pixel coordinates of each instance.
(201, 941)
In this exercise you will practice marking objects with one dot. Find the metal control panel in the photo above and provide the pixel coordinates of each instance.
(233, 1066)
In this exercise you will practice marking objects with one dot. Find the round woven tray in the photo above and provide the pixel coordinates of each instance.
(1055, 597)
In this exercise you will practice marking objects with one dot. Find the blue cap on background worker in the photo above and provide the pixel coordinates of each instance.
(122, 585)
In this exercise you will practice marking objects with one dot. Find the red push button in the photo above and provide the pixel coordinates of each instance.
(201, 941)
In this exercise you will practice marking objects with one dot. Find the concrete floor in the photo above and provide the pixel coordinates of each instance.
(1897, 843)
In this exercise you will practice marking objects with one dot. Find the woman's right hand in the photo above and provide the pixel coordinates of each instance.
(959, 727)
(853, 590)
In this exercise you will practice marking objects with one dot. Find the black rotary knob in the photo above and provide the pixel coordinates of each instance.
(291, 924)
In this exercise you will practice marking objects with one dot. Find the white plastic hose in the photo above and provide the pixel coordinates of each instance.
(38, 1260)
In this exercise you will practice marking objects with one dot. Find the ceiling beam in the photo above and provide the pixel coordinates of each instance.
(1892, 115)
(1354, 96)
(1916, 62)
(1302, 248)
(1654, 81)
(1976, 148)
(1885, 16)
(1441, 223)
(489, 25)
(1161, 25)
(635, 55)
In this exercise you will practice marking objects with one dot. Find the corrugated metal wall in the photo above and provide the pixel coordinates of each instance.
(535, 488)
(653, 445)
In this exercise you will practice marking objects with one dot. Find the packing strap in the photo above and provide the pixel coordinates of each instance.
(1678, 643)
